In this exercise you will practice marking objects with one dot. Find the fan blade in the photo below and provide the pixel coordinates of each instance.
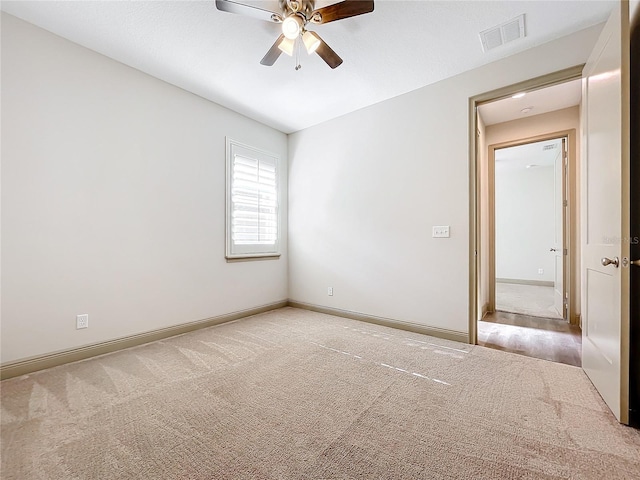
(273, 54)
(248, 10)
(341, 10)
(328, 55)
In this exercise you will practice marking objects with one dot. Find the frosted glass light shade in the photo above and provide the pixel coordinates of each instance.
(311, 41)
(291, 27)
(286, 45)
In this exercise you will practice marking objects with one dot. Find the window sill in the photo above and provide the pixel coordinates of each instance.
(249, 257)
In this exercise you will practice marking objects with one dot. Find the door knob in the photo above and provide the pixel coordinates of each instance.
(553, 250)
(607, 261)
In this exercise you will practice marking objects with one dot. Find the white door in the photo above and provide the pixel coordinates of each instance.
(605, 157)
(558, 248)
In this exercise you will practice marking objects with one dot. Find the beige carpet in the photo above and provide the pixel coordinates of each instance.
(533, 300)
(295, 394)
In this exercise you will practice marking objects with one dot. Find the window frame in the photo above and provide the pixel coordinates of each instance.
(233, 251)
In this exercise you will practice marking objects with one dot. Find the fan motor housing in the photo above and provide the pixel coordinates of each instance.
(305, 7)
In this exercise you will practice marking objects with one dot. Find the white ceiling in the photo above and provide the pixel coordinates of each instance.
(564, 95)
(401, 46)
(532, 155)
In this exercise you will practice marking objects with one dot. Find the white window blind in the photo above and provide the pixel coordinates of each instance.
(252, 196)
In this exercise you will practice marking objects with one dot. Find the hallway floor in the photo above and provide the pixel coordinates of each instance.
(530, 300)
(545, 338)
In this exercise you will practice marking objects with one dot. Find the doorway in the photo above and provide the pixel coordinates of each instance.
(528, 194)
(528, 275)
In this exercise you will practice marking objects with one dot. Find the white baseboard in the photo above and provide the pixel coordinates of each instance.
(576, 320)
(40, 362)
(387, 322)
(517, 281)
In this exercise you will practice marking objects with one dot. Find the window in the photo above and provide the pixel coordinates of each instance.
(253, 223)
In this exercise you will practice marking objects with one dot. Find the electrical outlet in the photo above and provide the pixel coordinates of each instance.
(330, 291)
(541, 271)
(82, 321)
(441, 231)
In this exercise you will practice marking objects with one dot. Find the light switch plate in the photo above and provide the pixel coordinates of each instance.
(441, 231)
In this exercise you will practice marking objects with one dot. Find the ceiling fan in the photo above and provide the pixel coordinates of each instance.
(294, 16)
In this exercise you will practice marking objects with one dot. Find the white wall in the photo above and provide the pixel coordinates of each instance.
(113, 200)
(365, 190)
(525, 223)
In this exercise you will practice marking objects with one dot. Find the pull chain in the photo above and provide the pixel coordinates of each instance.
(297, 47)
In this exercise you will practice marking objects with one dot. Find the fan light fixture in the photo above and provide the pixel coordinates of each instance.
(295, 15)
(291, 27)
(311, 41)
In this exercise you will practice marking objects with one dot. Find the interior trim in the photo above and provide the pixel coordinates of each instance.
(474, 221)
(569, 235)
(625, 275)
(536, 83)
(485, 310)
(253, 258)
(386, 322)
(41, 362)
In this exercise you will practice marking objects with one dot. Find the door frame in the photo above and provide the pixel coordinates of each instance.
(536, 83)
(570, 281)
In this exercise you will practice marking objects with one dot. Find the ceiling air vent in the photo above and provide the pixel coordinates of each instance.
(504, 33)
